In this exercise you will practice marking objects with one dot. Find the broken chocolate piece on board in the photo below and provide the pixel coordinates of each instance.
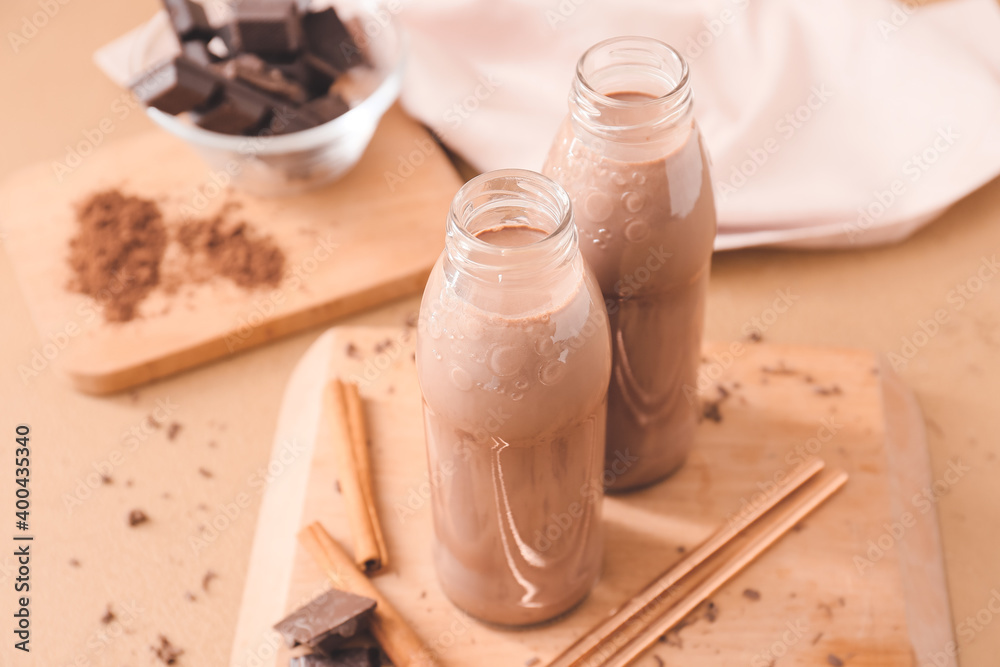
(351, 657)
(177, 86)
(327, 621)
(251, 69)
(242, 109)
(188, 19)
(329, 43)
(264, 27)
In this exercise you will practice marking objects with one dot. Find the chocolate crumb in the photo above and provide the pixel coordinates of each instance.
(173, 430)
(834, 661)
(106, 479)
(115, 256)
(423, 594)
(827, 609)
(808, 379)
(681, 549)
(382, 346)
(336, 485)
(128, 482)
(832, 390)
(213, 444)
(73, 562)
(109, 616)
(723, 392)
(751, 594)
(532, 661)
(190, 597)
(815, 640)
(711, 612)
(153, 423)
(755, 336)
(351, 350)
(207, 579)
(659, 661)
(710, 411)
(205, 472)
(167, 652)
(412, 319)
(137, 517)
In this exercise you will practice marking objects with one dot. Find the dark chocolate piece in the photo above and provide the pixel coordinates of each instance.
(241, 109)
(312, 113)
(180, 85)
(188, 19)
(351, 657)
(329, 620)
(329, 42)
(197, 52)
(250, 69)
(315, 82)
(264, 27)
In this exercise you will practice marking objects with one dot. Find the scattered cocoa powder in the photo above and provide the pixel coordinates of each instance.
(115, 256)
(233, 250)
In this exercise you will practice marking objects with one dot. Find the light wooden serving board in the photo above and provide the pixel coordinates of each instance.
(817, 602)
(349, 246)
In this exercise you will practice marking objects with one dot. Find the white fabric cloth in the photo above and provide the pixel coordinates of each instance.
(830, 123)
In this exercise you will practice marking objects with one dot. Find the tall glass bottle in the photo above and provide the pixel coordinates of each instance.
(513, 359)
(634, 164)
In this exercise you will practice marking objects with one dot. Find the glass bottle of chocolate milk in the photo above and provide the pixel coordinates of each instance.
(514, 359)
(633, 162)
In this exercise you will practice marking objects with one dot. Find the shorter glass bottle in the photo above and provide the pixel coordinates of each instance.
(514, 360)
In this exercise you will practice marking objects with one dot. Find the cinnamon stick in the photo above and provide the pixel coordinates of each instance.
(350, 445)
(642, 620)
(397, 638)
(626, 621)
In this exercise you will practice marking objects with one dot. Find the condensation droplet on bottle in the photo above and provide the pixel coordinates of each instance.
(544, 346)
(598, 206)
(636, 230)
(551, 372)
(618, 179)
(604, 234)
(521, 384)
(633, 201)
(639, 177)
(505, 360)
(516, 395)
(434, 328)
(461, 378)
(437, 355)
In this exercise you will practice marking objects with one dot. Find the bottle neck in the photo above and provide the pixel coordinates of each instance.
(510, 227)
(633, 92)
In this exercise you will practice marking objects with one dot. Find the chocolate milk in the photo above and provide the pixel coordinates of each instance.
(646, 217)
(514, 380)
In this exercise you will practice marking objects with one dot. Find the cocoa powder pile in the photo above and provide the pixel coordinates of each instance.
(117, 254)
(233, 250)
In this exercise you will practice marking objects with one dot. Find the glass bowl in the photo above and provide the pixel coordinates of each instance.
(287, 164)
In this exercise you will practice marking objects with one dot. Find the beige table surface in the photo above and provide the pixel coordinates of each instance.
(52, 94)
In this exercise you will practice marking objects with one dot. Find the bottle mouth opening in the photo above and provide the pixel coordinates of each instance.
(642, 65)
(509, 199)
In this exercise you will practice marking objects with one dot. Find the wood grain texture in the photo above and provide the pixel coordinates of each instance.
(350, 246)
(814, 601)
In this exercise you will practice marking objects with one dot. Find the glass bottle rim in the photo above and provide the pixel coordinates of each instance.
(648, 44)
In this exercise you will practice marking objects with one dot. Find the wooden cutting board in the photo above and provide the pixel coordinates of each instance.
(817, 596)
(359, 242)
